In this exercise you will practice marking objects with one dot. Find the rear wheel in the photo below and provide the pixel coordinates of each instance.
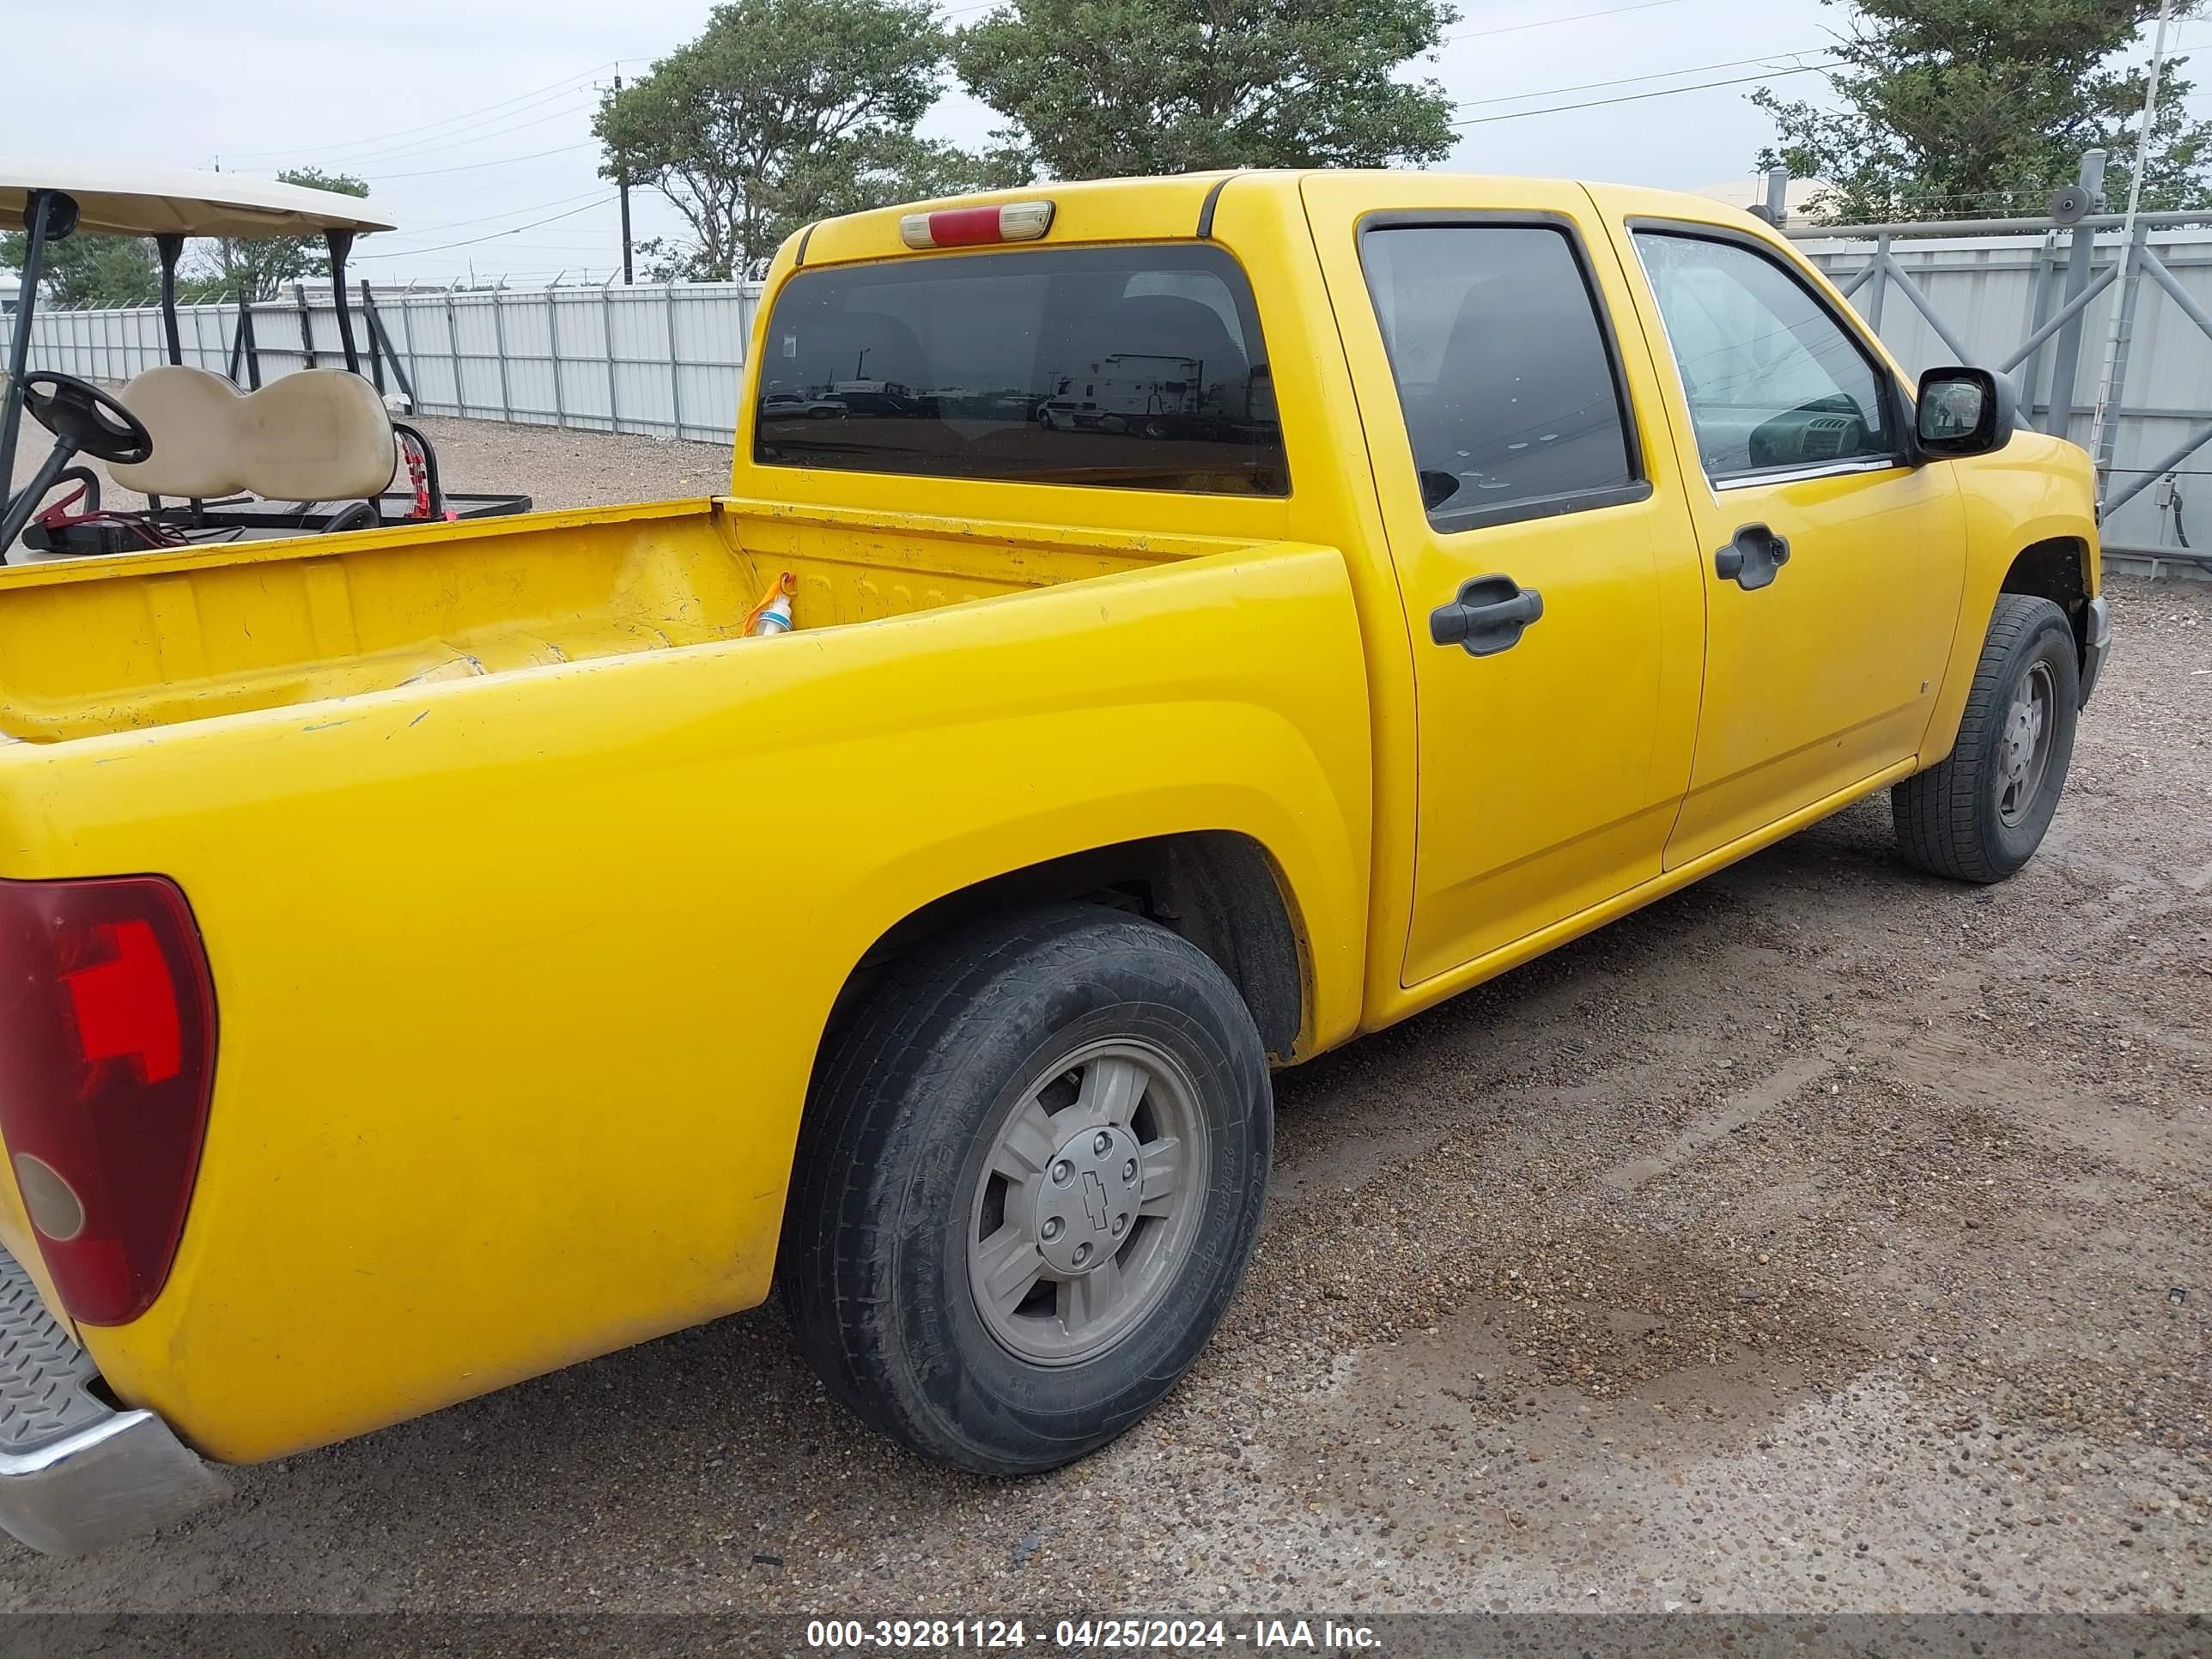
(1030, 1175)
(1980, 814)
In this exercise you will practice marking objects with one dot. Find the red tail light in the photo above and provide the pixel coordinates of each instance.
(978, 227)
(106, 1062)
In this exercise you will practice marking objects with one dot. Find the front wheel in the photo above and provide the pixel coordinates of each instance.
(1031, 1172)
(1980, 814)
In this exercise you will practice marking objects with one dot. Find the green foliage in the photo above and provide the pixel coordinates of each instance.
(898, 167)
(259, 266)
(1962, 108)
(85, 269)
(783, 110)
(1093, 88)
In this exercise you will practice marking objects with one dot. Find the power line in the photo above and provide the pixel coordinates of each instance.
(504, 160)
(488, 218)
(1626, 80)
(1634, 97)
(432, 143)
(431, 151)
(1546, 22)
(401, 132)
(410, 252)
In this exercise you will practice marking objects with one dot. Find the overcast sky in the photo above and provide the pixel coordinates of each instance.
(470, 118)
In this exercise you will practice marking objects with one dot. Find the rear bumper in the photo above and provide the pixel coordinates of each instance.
(75, 1473)
(2096, 645)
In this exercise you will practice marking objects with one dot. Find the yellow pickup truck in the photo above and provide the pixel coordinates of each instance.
(1231, 613)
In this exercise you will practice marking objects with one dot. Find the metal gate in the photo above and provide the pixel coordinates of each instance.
(2021, 297)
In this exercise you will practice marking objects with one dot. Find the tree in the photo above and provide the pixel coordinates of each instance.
(87, 269)
(1957, 108)
(1091, 88)
(781, 111)
(259, 267)
(899, 166)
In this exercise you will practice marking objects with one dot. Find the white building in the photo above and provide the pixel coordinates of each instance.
(1796, 201)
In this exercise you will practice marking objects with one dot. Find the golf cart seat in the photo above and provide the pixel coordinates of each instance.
(321, 435)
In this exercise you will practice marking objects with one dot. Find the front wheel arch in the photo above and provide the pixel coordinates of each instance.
(2057, 570)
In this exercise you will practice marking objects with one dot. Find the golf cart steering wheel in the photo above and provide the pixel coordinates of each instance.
(87, 419)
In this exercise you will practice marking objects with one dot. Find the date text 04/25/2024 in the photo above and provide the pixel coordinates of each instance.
(1093, 1635)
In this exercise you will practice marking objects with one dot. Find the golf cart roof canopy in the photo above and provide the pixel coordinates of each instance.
(123, 201)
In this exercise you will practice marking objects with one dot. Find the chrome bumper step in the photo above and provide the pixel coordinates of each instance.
(75, 1472)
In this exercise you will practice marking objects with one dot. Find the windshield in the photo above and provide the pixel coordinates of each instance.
(1138, 367)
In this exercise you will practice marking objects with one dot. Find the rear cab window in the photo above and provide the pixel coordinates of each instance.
(1139, 367)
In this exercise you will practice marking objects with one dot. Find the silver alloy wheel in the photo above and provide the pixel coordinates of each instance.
(1089, 1201)
(2024, 746)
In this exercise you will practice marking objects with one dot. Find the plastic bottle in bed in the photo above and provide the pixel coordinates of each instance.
(773, 614)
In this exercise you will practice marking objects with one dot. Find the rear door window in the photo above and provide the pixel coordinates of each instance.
(1133, 367)
(1506, 373)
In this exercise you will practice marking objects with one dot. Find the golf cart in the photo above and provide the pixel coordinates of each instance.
(310, 452)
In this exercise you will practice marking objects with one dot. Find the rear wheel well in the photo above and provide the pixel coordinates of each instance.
(1215, 888)
(2057, 570)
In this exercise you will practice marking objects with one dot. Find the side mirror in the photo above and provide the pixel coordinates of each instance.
(1964, 411)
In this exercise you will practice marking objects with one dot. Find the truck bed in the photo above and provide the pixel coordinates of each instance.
(521, 970)
(127, 643)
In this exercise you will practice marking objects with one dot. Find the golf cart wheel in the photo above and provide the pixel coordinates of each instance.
(1030, 1175)
(1979, 814)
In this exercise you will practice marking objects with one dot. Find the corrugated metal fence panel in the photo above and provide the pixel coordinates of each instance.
(1984, 289)
(666, 361)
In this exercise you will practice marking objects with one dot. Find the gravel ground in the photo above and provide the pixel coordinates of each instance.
(1822, 1238)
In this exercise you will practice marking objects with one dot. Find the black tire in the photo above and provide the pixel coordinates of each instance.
(904, 1114)
(1949, 818)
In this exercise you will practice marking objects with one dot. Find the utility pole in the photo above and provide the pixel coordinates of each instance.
(622, 187)
(2104, 425)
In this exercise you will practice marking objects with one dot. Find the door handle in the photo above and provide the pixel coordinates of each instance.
(1489, 616)
(1752, 558)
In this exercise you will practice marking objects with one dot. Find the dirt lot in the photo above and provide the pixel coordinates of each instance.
(1823, 1237)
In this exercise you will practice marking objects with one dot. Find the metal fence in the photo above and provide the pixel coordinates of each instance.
(660, 359)
(2037, 299)
(2033, 297)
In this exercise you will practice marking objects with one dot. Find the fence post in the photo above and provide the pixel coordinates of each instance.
(2122, 339)
(1880, 284)
(607, 329)
(553, 346)
(675, 370)
(306, 326)
(453, 345)
(375, 356)
(2080, 250)
(414, 368)
(499, 345)
(2030, 371)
